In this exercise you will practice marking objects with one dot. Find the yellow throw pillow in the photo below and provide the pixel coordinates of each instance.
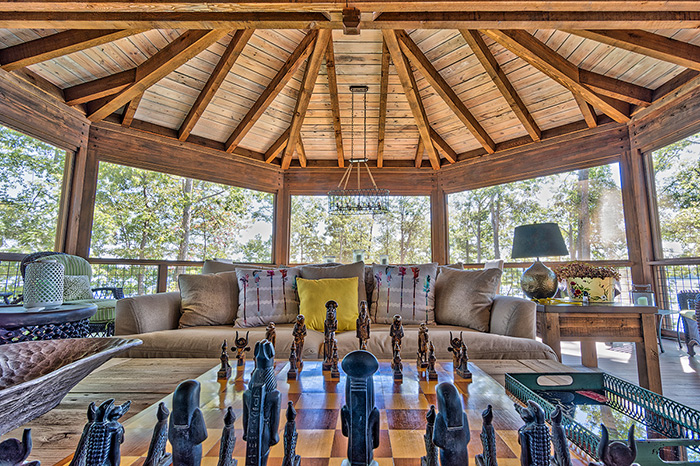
(313, 295)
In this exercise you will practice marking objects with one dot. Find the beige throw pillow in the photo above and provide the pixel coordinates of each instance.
(315, 272)
(210, 299)
(465, 297)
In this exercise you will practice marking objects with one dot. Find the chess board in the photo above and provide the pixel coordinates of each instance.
(318, 399)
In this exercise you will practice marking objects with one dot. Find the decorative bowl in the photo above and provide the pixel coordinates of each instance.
(36, 375)
(601, 290)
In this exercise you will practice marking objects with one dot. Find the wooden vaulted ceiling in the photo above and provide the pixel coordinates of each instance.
(271, 80)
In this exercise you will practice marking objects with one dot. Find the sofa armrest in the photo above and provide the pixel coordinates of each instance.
(148, 313)
(513, 317)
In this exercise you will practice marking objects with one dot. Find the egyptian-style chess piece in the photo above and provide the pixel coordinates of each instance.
(261, 407)
(432, 374)
(330, 326)
(396, 363)
(225, 370)
(363, 326)
(451, 434)
(534, 438)
(488, 440)
(396, 331)
(156, 450)
(462, 367)
(241, 348)
(561, 457)
(13, 452)
(335, 373)
(616, 453)
(299, 334)
(292, 373)
(290, 438)
(271, 334)
(431, 453)
(359, 417)
(423, 338)
(455, 348)
(228, 440)
(102, 435)
(187, 430)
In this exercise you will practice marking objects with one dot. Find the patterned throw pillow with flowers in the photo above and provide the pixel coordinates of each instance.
(266, 296)
(406, 290)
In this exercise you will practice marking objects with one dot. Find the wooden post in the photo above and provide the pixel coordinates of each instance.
(439, 226)
(281, 225)
(83, 234)
(162, 286)
(74, 177)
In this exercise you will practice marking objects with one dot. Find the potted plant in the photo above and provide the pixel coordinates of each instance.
(581, 278)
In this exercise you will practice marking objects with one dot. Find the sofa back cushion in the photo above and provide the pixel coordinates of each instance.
(208, 299)
(465, 297)
(408, 291)
(267, 295)
(317, 272)
(313, 295)
(76, 287)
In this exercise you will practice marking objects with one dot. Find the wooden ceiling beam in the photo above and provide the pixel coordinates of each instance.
(278, 82)
(226, 62)
(277, 147)
(57, 45)
(301, 153)
(444, 90)
(335, 103)
(383, 89)
(549, 62)
(420, 149)
(616, 89)
(499, 78)
(587, 110)
(308, 83)
(447, 150)
(130, 110)
(98, 88)
(175, 54)
(647, 43)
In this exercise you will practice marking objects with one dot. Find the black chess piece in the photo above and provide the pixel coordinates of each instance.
(330, 326)
(423, 339)
(13, 452)
(241, 348)
(561, 457)
(534, 438)
(299, 334)
(455, 347)
(292, 372)
(335, 373)
(363, 326)
(228, 440)
(431, 453)
(396, 331)
(359, 417)
(271, 333)
(156, 450)
(290, 438)
(396, 363)
(616, 453)
(462, 368)
(451, 434)
(186, 429)
(225, 370)
(432, 374)
(102, 436)
(261, 407)
(488, 440)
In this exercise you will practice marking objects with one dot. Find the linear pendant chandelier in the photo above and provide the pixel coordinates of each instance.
(359, 201)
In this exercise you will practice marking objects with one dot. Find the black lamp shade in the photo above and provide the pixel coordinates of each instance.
(538, 240)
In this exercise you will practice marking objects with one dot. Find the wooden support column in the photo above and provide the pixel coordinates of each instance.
(439, 226)
(162, 285)
(74, 178)
(281, 226)
(83, 235)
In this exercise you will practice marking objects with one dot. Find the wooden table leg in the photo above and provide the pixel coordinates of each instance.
(589, 354)
(648, 356)
(551, 334)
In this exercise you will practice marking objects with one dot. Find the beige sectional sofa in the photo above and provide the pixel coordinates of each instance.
(154, 319)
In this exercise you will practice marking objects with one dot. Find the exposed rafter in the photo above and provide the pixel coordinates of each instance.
(383, 89)
(301, 153)
(499, 78)
(307, 88)
(418, 158)
(178, 52)
(130, 110)
(226, 62)
(616, 89)
(335, 104)
(587, 110)
(450, 154)
(280, 80)
(558, 68)
(98, 88)
(444, 90)
(277, 147)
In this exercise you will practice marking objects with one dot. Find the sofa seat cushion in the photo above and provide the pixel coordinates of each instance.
(105, 308)
(205, 342)
(479, 345)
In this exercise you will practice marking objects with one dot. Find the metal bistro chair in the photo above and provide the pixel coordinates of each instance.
(688, 303)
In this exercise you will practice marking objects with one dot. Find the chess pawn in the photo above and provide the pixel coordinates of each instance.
(102, 436)
(228, 440)
(271, 334)
(299, 334)
(187, 430)
(616, 453)
(225, 370)
(241, 348)
(396, 331)
(156, 450)
(451, 434)
(363, 326)
(562, 457)
(13, 452)
(534, 438)
(423, 338)
(290, 438)
(431, 453)
(432, 374)
(292, 373)
(488, 440)
(335, 373)
(330, 326)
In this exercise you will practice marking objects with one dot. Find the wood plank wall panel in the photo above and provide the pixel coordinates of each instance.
(319, 181)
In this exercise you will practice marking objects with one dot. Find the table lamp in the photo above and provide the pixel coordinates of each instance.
(538, 240)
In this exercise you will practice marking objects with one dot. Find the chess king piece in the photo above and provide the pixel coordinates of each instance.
(488, 440)
(290, 438)
(13, 452)
(534, 438)
(102, 435)
(330, 325)
(241, 348)
(396, 363)
(561, 457)
(451, 434)
(156, 450)
(299, 334)
(431, 453)
(335, 373)
(396, 331)
(359, 417)
(292, 372)
(187, 430)
(432, 374)
(225, 370)
(616, 453)
(261, 407)
(271, 334)
(228, 440)
(363, 326)
(423, 338)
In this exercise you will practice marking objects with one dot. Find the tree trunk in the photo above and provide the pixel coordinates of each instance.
(478, 240)
(185, 224)
(140, 286)
(584, 217)
(495, 207)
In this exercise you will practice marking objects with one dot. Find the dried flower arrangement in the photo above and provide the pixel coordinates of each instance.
(583, 270)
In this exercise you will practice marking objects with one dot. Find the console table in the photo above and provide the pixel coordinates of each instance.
(66, 321)
(604, 322)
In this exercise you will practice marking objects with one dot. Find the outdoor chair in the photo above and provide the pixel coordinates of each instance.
(688, 302)
(102, 323)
